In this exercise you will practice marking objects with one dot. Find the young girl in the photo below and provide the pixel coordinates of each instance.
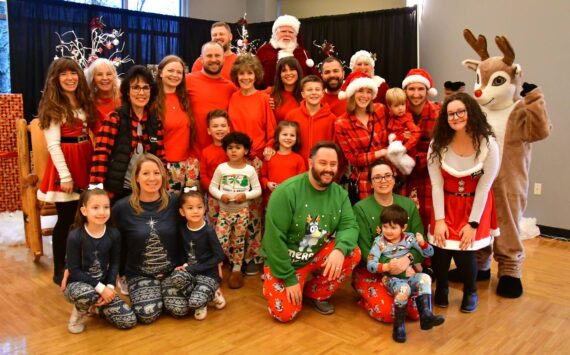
(93, 256)
(65, 111)
(202, 253)
(234, 184)
(251, 113)
(286, 162)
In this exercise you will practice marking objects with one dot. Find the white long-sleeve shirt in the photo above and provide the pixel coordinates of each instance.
(231, 181)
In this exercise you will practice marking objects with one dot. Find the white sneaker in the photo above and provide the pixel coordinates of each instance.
(219, 301)
(76, 323)
(123, 285)
(201, 313)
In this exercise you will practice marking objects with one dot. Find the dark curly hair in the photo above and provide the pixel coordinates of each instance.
(477, 126)
(135, 74)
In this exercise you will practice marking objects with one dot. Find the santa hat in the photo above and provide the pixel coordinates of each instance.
(287, 20)
(361, 54)
(421, 76)
(356, 81)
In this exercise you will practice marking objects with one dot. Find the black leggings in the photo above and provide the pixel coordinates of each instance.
(466, 264)
(65, 215)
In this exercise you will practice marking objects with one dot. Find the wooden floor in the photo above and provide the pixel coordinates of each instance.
(33, 319)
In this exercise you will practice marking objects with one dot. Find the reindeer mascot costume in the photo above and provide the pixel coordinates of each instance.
(517, 122)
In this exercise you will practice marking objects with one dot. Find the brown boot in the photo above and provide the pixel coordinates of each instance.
(236, 279)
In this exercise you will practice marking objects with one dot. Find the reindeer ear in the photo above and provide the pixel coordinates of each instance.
(518, 70)
(471, 64)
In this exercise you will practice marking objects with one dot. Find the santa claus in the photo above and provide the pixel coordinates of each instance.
(283, 43)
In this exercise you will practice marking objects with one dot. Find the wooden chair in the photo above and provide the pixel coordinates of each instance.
(30, 181)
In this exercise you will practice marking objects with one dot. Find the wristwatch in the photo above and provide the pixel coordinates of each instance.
(411, 257)
(473, 224)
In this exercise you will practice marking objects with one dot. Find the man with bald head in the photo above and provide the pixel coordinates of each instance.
(208, 90)
(222, 34)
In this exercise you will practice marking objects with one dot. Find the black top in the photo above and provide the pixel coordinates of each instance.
(150, 239)
(93, 260)
(203, 251)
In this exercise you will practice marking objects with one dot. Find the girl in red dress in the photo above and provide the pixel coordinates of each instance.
(463, 163)
(104, 83)
(65, 112)
(286, 92)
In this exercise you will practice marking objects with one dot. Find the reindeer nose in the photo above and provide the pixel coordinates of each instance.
(478, 93)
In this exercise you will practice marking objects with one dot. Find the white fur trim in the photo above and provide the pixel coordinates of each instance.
(397, 155)
(415, 79)
(454, 244)
(286, 20)
(480, 159)
(391, 137)
(283, 54)
(57, 196)
(361, 54)
(528, 228)
(378, 80)
(360, 83)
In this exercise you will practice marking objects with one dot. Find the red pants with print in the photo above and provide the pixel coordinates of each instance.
(318, 288)
(375, 299)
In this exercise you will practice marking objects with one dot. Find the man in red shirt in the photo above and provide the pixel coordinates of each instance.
(222, 34)
(418, 85)
(332, 74)
(208, 90)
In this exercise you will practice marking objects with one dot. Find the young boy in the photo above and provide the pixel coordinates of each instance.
(315, 119)
(214, 155)
(401, 125)
(234, 183)
(395, 243)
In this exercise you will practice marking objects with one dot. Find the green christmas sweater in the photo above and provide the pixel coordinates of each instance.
(300, 220)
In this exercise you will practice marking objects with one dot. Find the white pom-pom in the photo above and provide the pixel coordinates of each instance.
(116, 42)
(342, 95)
(432, 92)
(310, 63)
(239, 43)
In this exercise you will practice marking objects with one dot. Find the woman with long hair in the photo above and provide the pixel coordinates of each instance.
(65, 113)
(172, 106)
(104, 83)
(463, 161)
(286, 91)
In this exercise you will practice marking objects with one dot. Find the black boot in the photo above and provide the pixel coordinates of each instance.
(399, 330)
(427, 318)
(441, 297)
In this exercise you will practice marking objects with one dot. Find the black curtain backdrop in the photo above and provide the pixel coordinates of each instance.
(391, 34)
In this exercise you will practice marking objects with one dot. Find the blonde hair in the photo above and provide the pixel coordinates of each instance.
(351, 106)
(90, 76)
(134, 199)
(395, 96)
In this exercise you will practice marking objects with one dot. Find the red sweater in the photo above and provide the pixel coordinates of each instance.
(399, 125)
(337, 106)
(103, 107)
(206, 94)
(253, 116)
(176, 130)
(319, 127)
(212, 156)
(226, 69)
(289, 103)
(280, 168)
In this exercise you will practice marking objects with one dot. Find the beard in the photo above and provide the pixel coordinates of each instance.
(213, 72)
(317, 177)
(282, 45)
(332, 87)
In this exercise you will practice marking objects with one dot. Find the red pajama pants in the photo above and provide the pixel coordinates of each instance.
(318, 288)
(375, 299)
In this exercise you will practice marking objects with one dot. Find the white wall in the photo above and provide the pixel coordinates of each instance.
(217, 10)
(539, 33)
(312, 8)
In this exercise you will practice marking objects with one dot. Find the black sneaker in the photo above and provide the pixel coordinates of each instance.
(323, 307)
(251, 269)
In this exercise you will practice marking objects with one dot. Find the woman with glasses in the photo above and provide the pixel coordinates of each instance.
(463, 160)
(126, 133)
(374, 297)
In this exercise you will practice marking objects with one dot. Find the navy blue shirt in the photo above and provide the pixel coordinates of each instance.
(203, 251)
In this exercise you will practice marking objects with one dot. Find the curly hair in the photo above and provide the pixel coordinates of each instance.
(477, 126)
(247, 62)
(135, 74)
(55, 106)
(279, 87)
(159, 106)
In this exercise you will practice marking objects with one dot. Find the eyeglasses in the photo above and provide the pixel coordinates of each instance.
(379, 178)
(456, 114)
(138, 89)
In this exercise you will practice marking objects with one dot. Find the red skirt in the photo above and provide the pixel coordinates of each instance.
(78, 159)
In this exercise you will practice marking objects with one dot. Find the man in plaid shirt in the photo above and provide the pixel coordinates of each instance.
(418, 85)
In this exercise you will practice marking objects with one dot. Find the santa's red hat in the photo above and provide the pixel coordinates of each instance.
(356, 81)
(421, 76)
(286, 20)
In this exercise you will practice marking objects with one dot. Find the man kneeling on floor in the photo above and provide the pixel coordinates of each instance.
(310, 229)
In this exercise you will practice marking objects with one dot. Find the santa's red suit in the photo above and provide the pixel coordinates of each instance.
(268, 56)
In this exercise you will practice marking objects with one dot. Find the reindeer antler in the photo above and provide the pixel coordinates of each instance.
(479, 44)
(506, 48)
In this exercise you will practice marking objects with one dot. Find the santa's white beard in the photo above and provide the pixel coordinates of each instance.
(284, 46)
